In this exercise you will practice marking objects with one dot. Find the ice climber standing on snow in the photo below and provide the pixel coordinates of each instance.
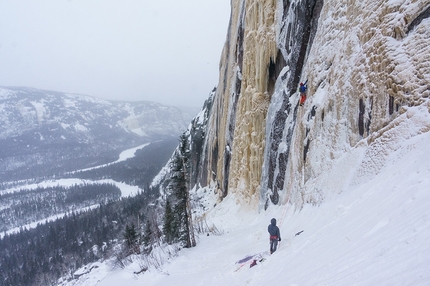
(275, 235)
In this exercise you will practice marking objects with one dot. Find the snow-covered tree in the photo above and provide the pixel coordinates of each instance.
(147, 234)
(169, 226)
(179, 186)
(131, 237)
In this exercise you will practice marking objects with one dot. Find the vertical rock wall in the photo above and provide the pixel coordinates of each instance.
(365, 63)
(220, 129)
(249, 134)
(237, 124)
(296, 32)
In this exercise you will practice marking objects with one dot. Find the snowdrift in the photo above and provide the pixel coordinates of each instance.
(375, 232)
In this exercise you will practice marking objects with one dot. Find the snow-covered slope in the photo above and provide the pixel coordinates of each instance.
(376, 232)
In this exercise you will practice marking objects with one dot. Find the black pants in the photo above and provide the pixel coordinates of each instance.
(273, 245)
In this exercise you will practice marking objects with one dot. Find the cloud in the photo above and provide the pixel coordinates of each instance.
(165, 51)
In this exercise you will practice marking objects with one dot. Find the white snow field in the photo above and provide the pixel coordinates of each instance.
(375, 231)
(126, 190)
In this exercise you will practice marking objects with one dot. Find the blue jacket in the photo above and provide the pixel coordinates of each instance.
(273, 229)
(303, 88)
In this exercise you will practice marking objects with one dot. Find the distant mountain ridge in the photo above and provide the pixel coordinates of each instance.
(48, 132)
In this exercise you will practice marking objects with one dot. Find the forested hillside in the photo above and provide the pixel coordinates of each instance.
(39, 256)
(30, 205)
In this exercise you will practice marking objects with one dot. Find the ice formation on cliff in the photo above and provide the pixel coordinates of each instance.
(366, 63)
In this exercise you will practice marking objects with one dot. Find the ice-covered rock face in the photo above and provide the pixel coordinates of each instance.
(366, 62)
(369, 61)
(243, 96)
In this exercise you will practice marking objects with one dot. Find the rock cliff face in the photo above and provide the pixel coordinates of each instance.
(366, 63)
(238, 116)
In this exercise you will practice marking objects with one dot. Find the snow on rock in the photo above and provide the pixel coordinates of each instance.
(373, 233)
(350, 168)
(365, 64)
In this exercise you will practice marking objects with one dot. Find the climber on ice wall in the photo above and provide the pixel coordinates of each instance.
(302, 89)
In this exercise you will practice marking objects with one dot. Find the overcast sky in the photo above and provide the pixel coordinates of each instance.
(166, 51)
